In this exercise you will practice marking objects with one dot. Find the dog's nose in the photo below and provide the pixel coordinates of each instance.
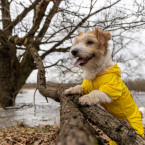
(74, 52)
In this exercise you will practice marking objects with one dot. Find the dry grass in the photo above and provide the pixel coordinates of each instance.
(39, 135)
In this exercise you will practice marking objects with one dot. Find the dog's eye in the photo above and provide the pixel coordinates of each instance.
(90, 42)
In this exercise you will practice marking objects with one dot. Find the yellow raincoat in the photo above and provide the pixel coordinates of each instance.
(123, 105)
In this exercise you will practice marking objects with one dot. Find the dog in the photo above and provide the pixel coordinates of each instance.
(102, 82)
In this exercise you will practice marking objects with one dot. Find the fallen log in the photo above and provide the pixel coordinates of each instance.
(107, 123)
(74, 129)
(111, 126)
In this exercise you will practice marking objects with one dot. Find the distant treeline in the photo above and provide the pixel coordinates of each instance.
(30, 86)
(136, 85)
(49, 84)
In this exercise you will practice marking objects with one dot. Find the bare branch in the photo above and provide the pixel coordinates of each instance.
(6, 19)
(21, 16)
(48, 19)
(39, 13)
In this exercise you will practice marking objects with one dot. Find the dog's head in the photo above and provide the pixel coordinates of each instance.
(90, 46)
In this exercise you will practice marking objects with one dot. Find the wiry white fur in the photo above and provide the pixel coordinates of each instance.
(83, 50)
(97, 66)
(95, 97)
(142, 110)
(92, 68)
(74, 90)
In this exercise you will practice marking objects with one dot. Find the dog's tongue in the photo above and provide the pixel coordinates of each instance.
(79, 61)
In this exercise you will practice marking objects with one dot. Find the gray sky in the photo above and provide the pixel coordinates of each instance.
(139, 50)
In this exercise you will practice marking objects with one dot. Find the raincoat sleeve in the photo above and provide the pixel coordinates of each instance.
(112, 86)
(87, 87)
(84, 85)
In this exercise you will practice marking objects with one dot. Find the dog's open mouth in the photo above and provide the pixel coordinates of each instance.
(82, 61)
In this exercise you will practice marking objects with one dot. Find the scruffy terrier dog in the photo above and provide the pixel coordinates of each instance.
(102, 79)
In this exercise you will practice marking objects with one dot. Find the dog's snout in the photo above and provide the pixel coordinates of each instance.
(74, 52)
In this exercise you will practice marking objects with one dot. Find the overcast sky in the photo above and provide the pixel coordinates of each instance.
(134, 48)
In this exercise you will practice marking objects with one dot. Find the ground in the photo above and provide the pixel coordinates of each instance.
(39, 135)
(25, 135)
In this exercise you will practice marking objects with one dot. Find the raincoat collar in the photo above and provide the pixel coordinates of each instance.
(112, 69)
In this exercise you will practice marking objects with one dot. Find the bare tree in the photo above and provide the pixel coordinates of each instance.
(50, 23)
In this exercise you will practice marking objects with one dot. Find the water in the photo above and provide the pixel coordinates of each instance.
(139, 98)
(46, 113)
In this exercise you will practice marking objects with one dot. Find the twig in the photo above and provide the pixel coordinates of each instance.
(34, 101)
(13, 140)
(17, 107)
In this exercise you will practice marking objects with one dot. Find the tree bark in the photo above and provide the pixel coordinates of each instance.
(41, 81)
(111, 126)
(6, 97)
(74, 128)
(12, 75)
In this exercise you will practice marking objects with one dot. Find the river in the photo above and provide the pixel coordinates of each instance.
(46, 113)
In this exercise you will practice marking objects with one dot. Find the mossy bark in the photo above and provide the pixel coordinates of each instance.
(75, 130)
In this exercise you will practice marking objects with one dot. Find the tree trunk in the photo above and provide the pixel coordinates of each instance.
(24, 70)
(74, 128)
(6, 95)
(12, 75)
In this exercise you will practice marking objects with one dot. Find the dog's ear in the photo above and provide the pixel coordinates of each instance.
(102, 36)
(80, 33)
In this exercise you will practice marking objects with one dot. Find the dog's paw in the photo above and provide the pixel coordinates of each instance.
(69, 91)
(74, 90)
(85, 100)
